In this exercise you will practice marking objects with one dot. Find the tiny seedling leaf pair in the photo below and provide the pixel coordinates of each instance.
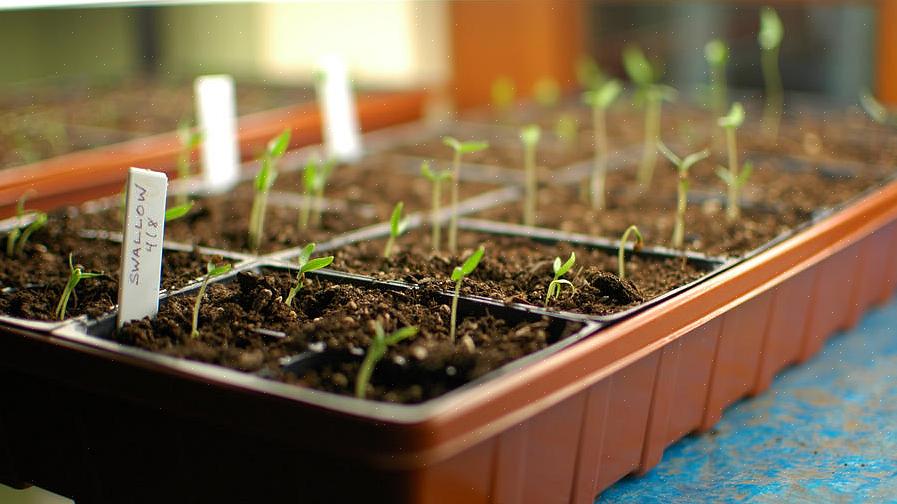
(436, 178)
(397, 227)
(212, 271)
(306, 264)
(376, 351)
(559, 269)
(682, 167)
(18, 236)
(459, 149)
(465, 147)
(76, 274)
(458, 276)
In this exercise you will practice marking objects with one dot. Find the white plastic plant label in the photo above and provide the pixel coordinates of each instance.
(217, 117)
(141, 254)
(339, 118)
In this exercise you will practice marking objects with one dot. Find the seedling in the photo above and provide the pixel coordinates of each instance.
(176, 212)
(733, 177)
(644, 76)
(717, 55)
(529, 135)
(376, 351)
(263, 181)
(876, 110)
(76, 274)
(503, 93)
(314, 180)
(554, 288)
(189, 138)
(588, 73)
(770, 40)
(212, 271)
(458, 275)
(621, 252)
(460, 148)
(547, 92)
(397, 227)
(600, 99)
(436, 178)
(682, 167)
(18, 237)
(306, 264)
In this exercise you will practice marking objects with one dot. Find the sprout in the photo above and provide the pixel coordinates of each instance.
(306, 264)
(554, 288)
(212, 271)
(717, 54)
(682, 167)
(458, 275)
(263, 181)
(459, 148)
(770, 40)
(376, 351)
(621, 265)
(76, 274)
(600, 99)
(314, 180)
(18, 237)
(436, 178)
(176, 212)
(588, 73)
(529, 135)
(397, 226)
(876, 111)
(733, 178)
(189, 139)
(503, 95)
(547, 92)
(643, 75)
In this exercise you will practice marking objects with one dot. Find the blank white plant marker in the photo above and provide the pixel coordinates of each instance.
(216, 110)
(339, 115)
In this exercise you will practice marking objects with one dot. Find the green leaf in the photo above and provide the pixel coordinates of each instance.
(561, 281)
(83, 276)
(401, 334)
(452, 142)
(306, 253)
(605, 95)
(469, 265)
(397, 225)
(310, 175)
(745, 173)
(278, 146)
(264, 179)
(723, 173)
(316, 264)
(637, 66)
(667, 153)
(427, 172)
(212, 270)
(588, 73)
(561, 269)
(771, 29)
(530, 134)
(716, 53)
(176, 212)
(693, 158)
(735, 117)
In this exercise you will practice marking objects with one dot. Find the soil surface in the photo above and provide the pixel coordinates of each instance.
(519, 269)
(339, 318)
(32, 283)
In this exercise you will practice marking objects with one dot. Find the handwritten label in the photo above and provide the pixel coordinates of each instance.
(141, 247)
(216, 110)
(340, 118)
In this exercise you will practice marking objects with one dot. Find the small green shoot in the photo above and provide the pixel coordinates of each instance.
(212, 271)
(652, 95)
(263, 181)
(458, 275)
(682, 167)
(530, 135)
(397, 227)
(588, 73)
(547, 92)
(176, 212)
(717, 55)
(76, 274)
(18, 237)
(621, 252)
(503, 94)
(376, 351)
(770, 39)
(599, 100)
(554, 288)
(189, 139)
(314, 181)
(306, 264)
(460, 148)
(436, 178)
(733, 177)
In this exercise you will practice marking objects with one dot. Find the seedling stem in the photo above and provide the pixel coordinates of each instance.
(458, 275)
(263, 181)
(682, 167)
(212, 271)
(621, 252)
(376, 351)
(436, 178)
(76, 274)
(529, 135)
(397, 226)
(459, 149)
(559, 269)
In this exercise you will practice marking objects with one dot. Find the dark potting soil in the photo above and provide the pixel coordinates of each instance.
(340, 318)
(32, 283)
(519, 269)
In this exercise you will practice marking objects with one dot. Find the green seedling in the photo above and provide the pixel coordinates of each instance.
(436, 178)
(306, 264)
(733, 177)
(458, 275)
(547, 92)
(876, 110)
(460, 148)
(189, 139)
(530, 135)
(560, 269)
(621, 252)
(176, 212)
(212, 271)
(376, 351)
(651, 95)
(397, 227)
(770, 40)
(682, 167)
(717, 55)
(76, 274)
(588, 73)
(18, 237)
(263, 181)
(503, 94)
(314, 181)
(599, 100)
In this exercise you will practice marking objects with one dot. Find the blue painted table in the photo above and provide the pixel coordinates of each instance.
(826, 431)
